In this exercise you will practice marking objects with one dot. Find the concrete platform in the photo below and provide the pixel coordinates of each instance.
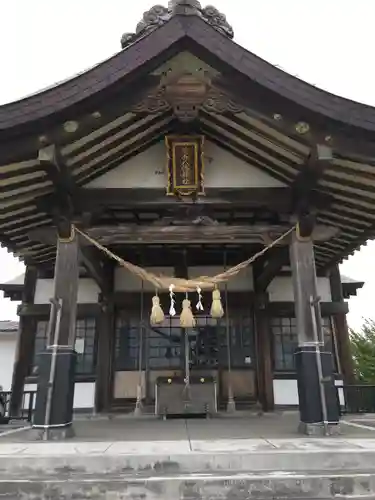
(232, 458)
(242, 425)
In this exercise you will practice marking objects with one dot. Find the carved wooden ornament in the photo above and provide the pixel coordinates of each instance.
(185, 165)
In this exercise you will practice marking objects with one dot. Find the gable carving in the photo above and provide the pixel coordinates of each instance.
(158, 15)
(186, 95)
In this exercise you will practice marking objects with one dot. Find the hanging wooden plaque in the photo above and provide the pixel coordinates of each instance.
(185, 165)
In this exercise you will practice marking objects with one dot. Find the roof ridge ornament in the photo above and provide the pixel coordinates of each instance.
(159, 15)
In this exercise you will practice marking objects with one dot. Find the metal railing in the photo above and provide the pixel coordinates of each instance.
(26, 410)
(359, 398)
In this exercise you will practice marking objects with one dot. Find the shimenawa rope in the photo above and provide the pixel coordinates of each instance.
(162, 282)
(173, 284)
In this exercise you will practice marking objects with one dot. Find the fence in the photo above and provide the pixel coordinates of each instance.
(27, 406)
(359, 398)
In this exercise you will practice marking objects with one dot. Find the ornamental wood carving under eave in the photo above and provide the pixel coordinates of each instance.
(186, 107)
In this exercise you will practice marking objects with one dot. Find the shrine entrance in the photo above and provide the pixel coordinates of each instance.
(223, 351)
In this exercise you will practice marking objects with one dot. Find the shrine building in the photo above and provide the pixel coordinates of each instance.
(184, 154)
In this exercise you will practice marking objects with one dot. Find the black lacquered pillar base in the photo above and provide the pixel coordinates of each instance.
(312, 419)
(54, 419)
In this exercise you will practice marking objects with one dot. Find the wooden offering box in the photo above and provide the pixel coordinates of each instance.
(174, 397)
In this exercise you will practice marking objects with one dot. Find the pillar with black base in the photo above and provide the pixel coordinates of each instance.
(318, 405)
(25, 343)
(54, 408)
(55, 393)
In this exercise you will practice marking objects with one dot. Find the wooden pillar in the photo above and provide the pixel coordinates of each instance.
(315, 376)
(264, 353)
(263, 339)
(341, 329)
(105, 345)
(25, 343)
(54, 405)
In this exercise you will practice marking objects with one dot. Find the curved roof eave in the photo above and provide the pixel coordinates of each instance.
(157, 45)
(59, 97)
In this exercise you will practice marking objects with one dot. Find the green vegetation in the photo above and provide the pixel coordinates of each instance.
(363, 350)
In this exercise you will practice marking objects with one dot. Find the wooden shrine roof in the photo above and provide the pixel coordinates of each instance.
(101, 118)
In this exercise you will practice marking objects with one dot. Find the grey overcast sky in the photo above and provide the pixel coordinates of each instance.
(328, 43)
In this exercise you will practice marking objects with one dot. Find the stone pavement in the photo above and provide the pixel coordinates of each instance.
(191, 460)
(190, 470)
(242, 425)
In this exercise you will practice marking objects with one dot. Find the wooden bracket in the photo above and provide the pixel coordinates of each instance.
(278, 259)
(58, 173)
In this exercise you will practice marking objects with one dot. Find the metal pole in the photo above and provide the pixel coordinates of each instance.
(231, 405)
(57, 305)
(138, 404)
(313, 304)
(187, 358)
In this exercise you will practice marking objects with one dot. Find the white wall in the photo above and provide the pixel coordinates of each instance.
(126, 281)
(281, 289)
(148, 170)
(84, 394)
(286, 392)
(8, 345)
(88, 291)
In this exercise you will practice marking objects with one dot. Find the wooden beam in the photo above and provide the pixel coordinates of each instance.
(92, 199)
(59, 174)
(306, 184)
(141, 234)
(277, 260)
(43, 310)
(92, 260)
(288, 309)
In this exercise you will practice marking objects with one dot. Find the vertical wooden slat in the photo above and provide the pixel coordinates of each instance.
(263, 342)
(105, 345)
(302, 262)
(66, 289)
(264, 353)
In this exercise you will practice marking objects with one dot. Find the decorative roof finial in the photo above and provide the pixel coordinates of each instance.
(184, 7)
(159, 15)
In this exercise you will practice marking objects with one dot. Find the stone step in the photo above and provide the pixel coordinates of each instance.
(209, 486)
(119, 459)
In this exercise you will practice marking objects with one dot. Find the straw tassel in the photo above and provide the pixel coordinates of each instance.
(217, 310)
(187, 319)
(157, 314)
